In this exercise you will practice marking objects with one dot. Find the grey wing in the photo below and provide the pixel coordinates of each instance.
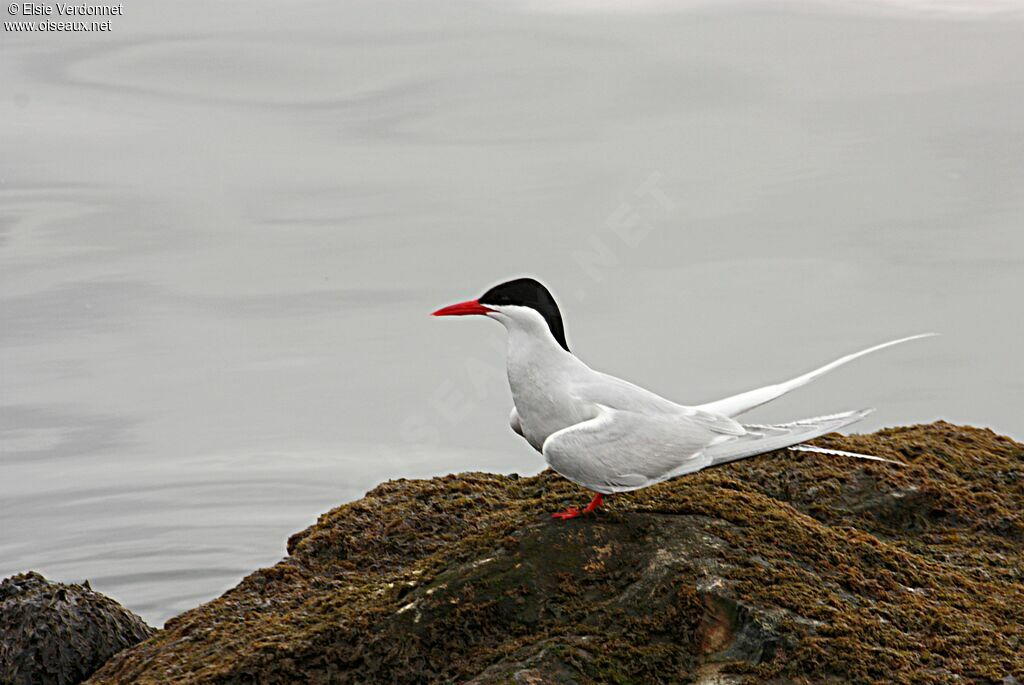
(619, 450)
(615, 393)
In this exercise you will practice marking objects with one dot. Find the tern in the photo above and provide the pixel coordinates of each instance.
(612, 436)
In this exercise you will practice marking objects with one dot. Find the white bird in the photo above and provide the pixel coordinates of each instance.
(610, 435)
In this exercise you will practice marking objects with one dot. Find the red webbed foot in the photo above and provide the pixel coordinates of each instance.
(570, 513)
(573, 512)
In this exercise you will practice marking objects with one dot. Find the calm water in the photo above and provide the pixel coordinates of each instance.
(223, 225)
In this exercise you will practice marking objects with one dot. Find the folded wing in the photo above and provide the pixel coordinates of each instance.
(620, 450)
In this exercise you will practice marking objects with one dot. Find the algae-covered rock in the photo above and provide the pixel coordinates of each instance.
(57, 634)
(786, 568)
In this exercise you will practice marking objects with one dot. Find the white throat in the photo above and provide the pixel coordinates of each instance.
(540, 374)
(528, 333)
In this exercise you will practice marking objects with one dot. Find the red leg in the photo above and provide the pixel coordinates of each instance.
(594, 503)
(573, 512)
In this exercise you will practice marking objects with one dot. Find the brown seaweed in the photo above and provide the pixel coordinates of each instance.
(786, 568)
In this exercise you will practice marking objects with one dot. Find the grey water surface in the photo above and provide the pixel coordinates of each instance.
(223, 227)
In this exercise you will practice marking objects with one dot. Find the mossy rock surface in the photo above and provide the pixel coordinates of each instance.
(785, 568)
(57, 633)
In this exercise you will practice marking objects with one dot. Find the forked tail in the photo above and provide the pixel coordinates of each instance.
(745, 401)
(765, 438)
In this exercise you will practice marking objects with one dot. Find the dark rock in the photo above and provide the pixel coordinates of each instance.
(787, 568)
(56, 634)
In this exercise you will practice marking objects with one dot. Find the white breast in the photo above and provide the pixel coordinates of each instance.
(541, 377)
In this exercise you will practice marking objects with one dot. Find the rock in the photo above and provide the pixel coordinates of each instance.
(787, 568)
(57, 634)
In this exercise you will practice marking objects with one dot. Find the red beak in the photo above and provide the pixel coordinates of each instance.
(463, 309)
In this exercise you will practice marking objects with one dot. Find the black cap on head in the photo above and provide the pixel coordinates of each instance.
(527, 292)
